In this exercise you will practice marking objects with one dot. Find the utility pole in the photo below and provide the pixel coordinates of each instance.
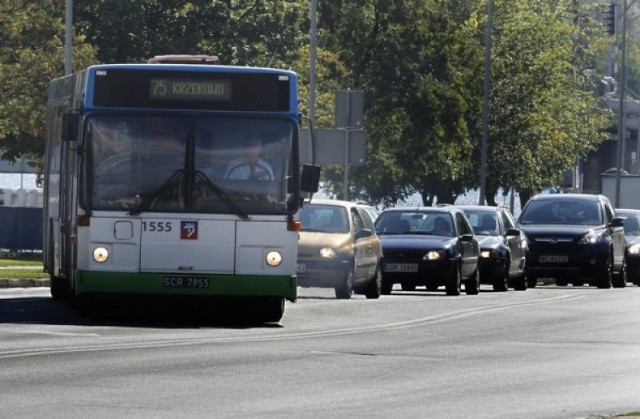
(485, 104)
(68, 36)
(622, 92)
(312, 63)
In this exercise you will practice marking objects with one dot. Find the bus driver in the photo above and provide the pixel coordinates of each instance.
(250, 166)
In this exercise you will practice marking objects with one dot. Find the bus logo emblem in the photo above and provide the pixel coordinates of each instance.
(188, 230)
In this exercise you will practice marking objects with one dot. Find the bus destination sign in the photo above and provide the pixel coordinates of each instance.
(190, 89)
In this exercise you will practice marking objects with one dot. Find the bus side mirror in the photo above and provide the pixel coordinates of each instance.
(310, 181)
(70, 122)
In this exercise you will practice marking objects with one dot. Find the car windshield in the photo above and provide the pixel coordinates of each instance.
(320, 218)
(484, 223)
(415, 222)
(561, 211)
(631, 225)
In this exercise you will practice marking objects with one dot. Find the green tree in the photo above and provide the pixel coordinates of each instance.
(31, 54)
(544, 113)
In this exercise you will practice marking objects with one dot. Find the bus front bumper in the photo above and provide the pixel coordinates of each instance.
(91, 282)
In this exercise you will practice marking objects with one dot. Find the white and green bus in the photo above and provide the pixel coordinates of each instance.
(174, 179)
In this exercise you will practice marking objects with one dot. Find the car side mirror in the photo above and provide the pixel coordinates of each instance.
(365, 232)
(617, 222)
(513, 232)
(466, 237)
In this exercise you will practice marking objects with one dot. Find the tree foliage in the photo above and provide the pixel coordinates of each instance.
(419, 62)
(31, 53)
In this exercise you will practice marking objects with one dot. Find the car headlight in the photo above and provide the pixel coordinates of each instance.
(590, 238)
(487, 254)
(434, 255)
(327, 253)
(634, 249)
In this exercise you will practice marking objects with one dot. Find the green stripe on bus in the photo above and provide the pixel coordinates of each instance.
(158, 284)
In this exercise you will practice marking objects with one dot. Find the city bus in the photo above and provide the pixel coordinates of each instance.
(171, 178)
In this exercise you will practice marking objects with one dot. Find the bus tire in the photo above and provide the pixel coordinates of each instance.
(272, 309)
(59, 288)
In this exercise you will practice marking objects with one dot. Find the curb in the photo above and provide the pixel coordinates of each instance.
(24, 282)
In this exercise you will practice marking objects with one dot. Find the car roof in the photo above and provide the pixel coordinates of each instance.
(442, 209)
(485, 208)
(568, 196)
(336, 202)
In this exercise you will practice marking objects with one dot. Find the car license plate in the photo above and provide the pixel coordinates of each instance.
(401, 267)
(301, 268)
(184, 282)
(554, 259)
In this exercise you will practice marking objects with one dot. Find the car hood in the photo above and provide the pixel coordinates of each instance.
(632, 240)
(313, 240)
(414, 241)
(489, 241)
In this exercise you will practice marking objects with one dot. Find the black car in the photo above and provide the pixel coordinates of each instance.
(503, 247)
(574, 238)
(428, 246)
(631, 219)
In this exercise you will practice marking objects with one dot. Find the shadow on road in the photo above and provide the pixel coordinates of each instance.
(131, 312)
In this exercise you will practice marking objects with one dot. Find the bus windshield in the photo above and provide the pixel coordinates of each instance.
(186, 164)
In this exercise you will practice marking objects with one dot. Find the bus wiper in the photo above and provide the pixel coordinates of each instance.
(144, 205)
(222, 195)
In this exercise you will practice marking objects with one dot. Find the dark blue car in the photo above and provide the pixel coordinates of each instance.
(428, 246)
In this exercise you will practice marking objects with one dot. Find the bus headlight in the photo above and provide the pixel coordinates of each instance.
(100, 254)
(274, 258)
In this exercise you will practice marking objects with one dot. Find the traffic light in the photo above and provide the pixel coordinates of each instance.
(609, 19)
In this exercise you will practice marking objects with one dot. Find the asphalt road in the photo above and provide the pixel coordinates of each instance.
(545, 353)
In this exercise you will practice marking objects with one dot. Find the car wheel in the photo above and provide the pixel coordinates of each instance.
(532, 280)
(501, 283)
(472, 284)
(374, 288)
(453, 285)
(520, 283)
(432, 288)
(562, 282)
(605, 278)
(620, 278)
(345, 290)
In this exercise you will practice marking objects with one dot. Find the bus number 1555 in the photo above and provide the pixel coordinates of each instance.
(157, 226)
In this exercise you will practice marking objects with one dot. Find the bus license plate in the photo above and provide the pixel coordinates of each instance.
(401, 267)
(554, 259)
(184, 282)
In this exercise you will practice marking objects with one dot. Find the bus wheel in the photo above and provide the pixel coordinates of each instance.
(272, 309)
(59, 288)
